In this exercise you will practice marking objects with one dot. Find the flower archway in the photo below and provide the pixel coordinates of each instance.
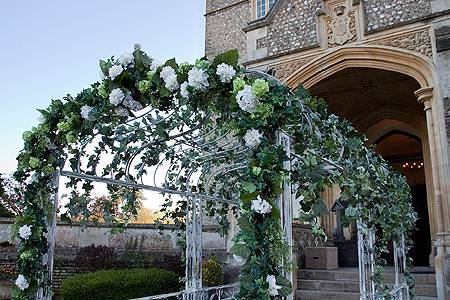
(215, 127)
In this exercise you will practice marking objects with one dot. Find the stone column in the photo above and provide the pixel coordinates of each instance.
(425, 96)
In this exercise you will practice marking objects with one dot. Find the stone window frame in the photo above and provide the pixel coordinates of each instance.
(261, 8)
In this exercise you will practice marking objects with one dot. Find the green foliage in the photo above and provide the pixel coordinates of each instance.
(329, 151)
(119, 284)
(4, 213)
(212, 274)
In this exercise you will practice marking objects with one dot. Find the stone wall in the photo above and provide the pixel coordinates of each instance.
(385, 13)
(224, 26)
(293, 27)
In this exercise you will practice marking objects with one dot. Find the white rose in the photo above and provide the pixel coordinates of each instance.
(116, 96)
(261, 206)
(252, 138)
(25, 232)
(126, 59)
(273, 287)
(246, 100)
(225, 72)
(198, 78)
(22, 282)
(85, 111)
(115, 71)
(183, 90)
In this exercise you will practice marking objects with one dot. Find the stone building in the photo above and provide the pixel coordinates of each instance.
(382, 64)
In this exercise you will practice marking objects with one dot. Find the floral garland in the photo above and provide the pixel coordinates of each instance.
(253, 109)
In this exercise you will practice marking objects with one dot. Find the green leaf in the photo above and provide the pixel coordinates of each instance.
(240, 250)
(172, 63)
(246, 198)
(104, 66)
(230, 57)
(286, 286)
(320, 208)
(248, 186)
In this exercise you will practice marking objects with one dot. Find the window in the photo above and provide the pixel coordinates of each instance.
(263, 7)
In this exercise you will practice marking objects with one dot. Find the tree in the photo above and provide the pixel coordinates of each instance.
(10, 194)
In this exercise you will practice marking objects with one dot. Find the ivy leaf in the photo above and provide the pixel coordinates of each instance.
(171, 63)
(104, 66)
(248, 186)
(230, 57)
(320, 208)
(240, 250)
(246, 198)
(286, 286)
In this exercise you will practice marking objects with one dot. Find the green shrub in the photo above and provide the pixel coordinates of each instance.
(212, 274)
(119, 284)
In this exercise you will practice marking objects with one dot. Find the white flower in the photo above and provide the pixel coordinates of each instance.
(241, 261)
(261, 206)
(22, 282)
(85, 111)
(126, 59)
(115, 71)
(198, 78)
(183, 90)
(166, 72)
(25, 232)
(252, 137)
(132, 104)
(171, 83)
(121, 111)
(361, 169)
(225, 72)
(246, 100)
(273, 287)
(155, 65)
(116, 96)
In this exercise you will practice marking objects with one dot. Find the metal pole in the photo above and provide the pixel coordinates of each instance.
(285, 203)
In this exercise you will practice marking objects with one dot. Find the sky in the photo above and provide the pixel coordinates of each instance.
(51, 48)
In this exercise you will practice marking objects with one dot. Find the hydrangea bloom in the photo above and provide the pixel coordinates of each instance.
(22, 282)
(126, 59)
(260, 87)
(246, 100)
(261, 206)
(171, 83)
(198, 78)
(121, 111)
(131, 104)
(25, 232)
(116, 96)
(166, 72)
(241, 261)
(273, 287)
(115, 71)
(183, 90)
(85, 111)
(225, 72)
(252, 137)
(238, 84)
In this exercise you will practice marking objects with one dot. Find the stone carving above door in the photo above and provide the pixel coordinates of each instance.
(339, 23)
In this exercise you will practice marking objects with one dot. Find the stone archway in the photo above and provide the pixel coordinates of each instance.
(431, 128)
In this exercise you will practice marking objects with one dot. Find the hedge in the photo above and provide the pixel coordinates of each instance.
(119, 284)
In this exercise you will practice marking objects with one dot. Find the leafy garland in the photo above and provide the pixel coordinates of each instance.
(253, 109)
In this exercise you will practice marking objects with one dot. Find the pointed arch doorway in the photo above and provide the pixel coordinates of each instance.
(381, 104)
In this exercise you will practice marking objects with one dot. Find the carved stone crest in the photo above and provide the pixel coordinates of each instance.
(340, 26)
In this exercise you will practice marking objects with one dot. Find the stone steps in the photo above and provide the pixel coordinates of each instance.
(344, 284)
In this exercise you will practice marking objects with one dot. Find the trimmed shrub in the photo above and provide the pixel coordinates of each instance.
(119, 284)
(212, 274)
